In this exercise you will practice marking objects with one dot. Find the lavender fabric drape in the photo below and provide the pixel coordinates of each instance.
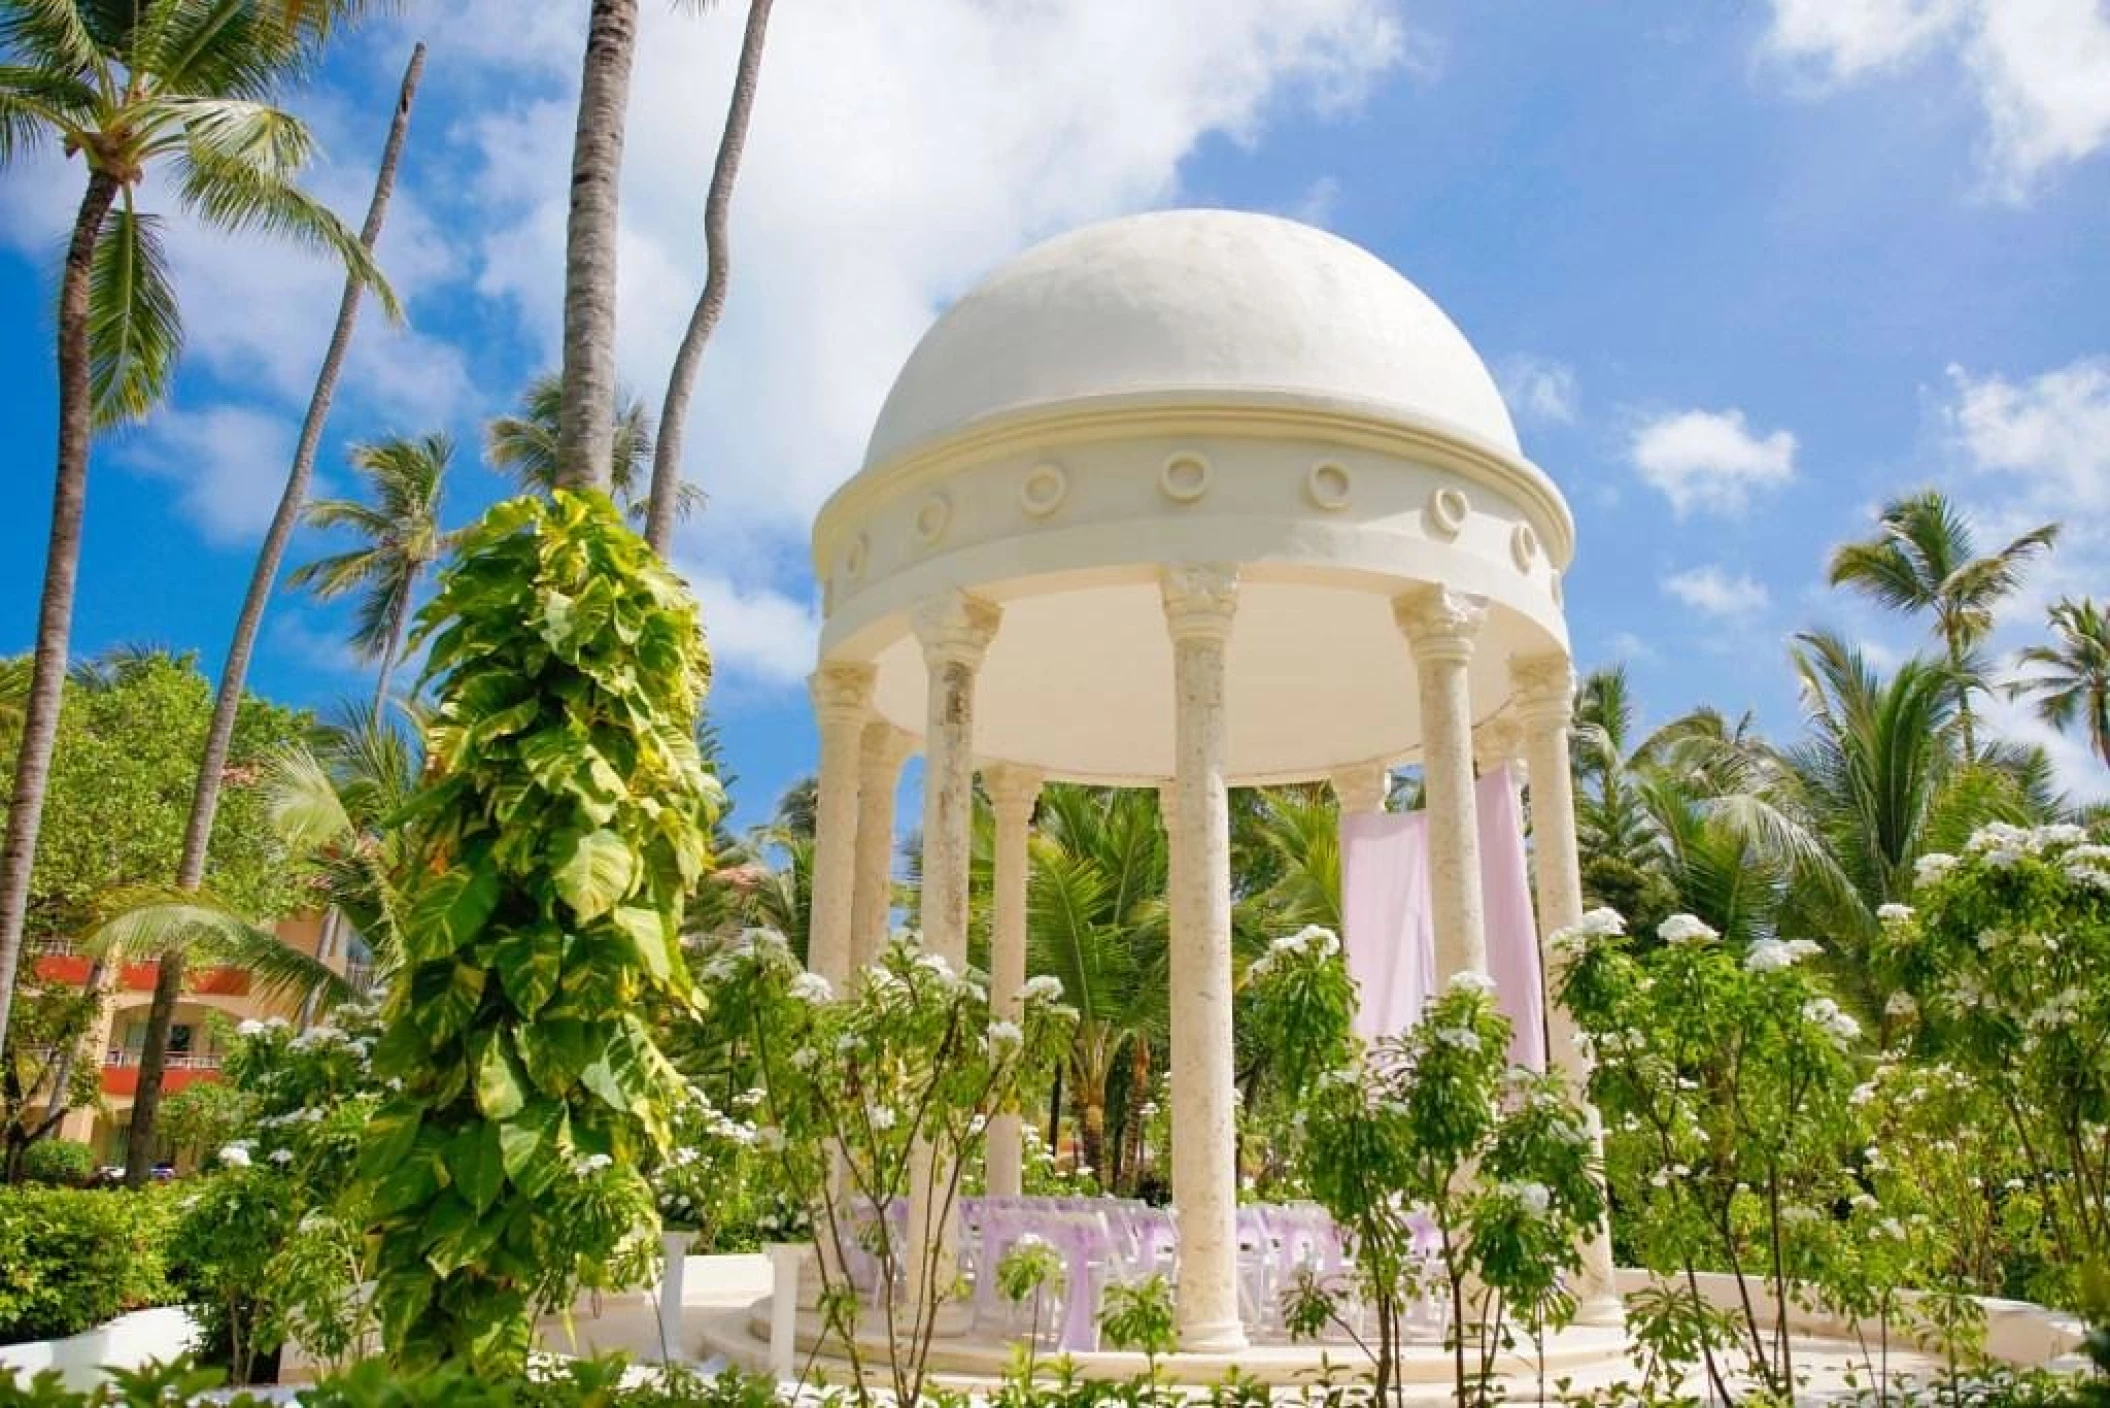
(1512, 930)
(1388, 934)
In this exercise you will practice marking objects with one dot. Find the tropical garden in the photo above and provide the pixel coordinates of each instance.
(1843, 989)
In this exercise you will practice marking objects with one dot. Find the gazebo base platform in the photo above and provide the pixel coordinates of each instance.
(982, 1358)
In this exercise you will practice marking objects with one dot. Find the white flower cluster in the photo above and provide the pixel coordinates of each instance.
(1471, 980)
(2088, 865)
(1772, 955)
(1894, 913)
(1536, 1199)
(235, 1155)
(1044, 987)
(591, 1164)
(1824, 1013)
(1598, 924)
(1312, 939)
(812, 988)
(1685, 929)
(2060, 1010)
(1932, 867)
(1005, 1036)
(1901, 1005)
(252, 1027)
(1463, 1038)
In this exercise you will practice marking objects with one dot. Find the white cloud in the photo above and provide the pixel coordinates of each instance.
(1713, 591)
(2035, 450)
(761, 634)
(2037, 67)
(1625, 645)
(1710, 460)
(863, 207)
(227, 463)
(1540, 389)
(1316, 205)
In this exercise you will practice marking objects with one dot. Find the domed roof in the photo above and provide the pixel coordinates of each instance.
(1180, 301)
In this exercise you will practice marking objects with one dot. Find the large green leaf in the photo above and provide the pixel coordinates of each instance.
(500, 1092)
(531, 1145)
(413, 1179)
(390, 1134)
(451, 910)
(477, 1164)
(444, 997)
(595, 874)
(529, 962)
(648, 933)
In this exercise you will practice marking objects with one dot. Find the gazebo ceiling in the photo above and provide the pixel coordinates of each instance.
(1186, 387)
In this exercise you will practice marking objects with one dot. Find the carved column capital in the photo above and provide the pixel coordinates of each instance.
(1500, 740)
(1012, 789)
(882, 749)
(1545, 689)
(955, 628)
(1362, 790)
(1439, 624)
(1200, 600)
(841, 691)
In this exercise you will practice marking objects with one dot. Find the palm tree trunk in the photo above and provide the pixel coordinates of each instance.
(398, 618)
(586, 416)
(146, 1099)
(234, 675)
(1091, 1136)
(62, 560)
(1963, 695)
(717, 219)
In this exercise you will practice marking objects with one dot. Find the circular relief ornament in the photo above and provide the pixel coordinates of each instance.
(854, 557)
(1045, 488)
(1184, 478)
(1523, 547)
(933, 519)
(1446, 512)
(1328, 486)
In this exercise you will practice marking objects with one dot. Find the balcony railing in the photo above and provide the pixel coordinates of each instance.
(171, 1061)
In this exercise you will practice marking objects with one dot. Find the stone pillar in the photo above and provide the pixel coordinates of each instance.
(1545, 691)
(1199, 602)
(1498, 741)
(1440, 625)
(955, 630)
(1362, 790)
(882, 749)
(1012, 792)
(842, 700)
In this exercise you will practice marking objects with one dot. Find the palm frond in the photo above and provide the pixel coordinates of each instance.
(238, 197)
(52, 34)
(150, 922)
(134, 329)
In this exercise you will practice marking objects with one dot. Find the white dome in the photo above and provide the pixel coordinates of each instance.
(1218, 302)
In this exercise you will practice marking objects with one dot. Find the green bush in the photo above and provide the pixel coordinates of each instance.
(72, 1258)
(67, 1163)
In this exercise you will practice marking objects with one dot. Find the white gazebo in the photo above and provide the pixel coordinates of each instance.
(1189, 500)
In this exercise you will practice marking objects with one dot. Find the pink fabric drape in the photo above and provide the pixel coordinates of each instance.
(1389, 939)
(1512, 929)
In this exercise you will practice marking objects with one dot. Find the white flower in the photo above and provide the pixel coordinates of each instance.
(1005, 1035)
(1769, 956)
(812, 987)
(1932, 867)
(1901, 1005)
(1599, 923)
(1894, 913)
(803, 1058)
(594, 1163)
(1823, 1012)
(282, 1157)
(1460, 1037)
(235, 1155)
(249, 1027)
(1470, 980)
(1535, 1197)
(881, 1116)
(1045, 987)
(1685, 929)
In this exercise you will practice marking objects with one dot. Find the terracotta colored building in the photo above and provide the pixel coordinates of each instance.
(193, 1053)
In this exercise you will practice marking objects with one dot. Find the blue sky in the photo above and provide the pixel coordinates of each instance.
(1743, 270)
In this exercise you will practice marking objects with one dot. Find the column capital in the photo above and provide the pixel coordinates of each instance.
(1200, 599)
(1439, 624)
(1362, 790)
(1545, 689)
(841, 691)
(955, 628)
(1497, 741)
(1012, 788)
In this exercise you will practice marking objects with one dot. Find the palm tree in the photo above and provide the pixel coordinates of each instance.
(2076, 685)
(133, 88)
(1924, 558)
(1096, 919)
(586, 409)
(670, 495)
(524, 445)
(402, 538)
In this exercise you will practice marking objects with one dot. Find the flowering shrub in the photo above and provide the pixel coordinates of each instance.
(2000, 976)
(893, 1085)
(702, 1180)
(1452, 1171)
(1725, 1074)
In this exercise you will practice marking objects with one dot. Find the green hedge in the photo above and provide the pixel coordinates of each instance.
(71, 1258)
(65, 1162)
